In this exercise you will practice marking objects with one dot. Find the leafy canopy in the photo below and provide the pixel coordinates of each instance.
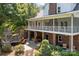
(15, 15)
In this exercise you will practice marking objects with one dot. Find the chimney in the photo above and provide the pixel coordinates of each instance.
(52, 8)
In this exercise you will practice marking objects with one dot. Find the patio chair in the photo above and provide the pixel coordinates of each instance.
(64, 46)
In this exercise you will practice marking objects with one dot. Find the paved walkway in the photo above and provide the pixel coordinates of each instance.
(29, 48)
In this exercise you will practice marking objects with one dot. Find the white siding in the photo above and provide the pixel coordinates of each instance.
(46, 10)
(65, 7)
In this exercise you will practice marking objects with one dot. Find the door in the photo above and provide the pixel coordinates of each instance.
(59, 40)
(46, 36)
(31, 36)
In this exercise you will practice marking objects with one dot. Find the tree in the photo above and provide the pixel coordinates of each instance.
(45, 48)
(16, 15)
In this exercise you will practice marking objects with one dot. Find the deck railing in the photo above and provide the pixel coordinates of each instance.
(66, 29)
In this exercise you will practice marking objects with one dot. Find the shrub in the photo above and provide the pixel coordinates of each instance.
(38, 46)
(70, 53)
(19, 49)
(6, 48)
(37, 53)
(58, 48)
(55, 53)
(45, 48)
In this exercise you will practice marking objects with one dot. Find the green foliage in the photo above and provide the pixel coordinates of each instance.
(19, 49)
(70, 53)
(16, 15)
(37, 53)
(45, 48)
(1, 31)
(6, 48)
(55, 53)
(58, 48)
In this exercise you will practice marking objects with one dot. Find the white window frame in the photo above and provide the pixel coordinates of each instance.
(59, 38)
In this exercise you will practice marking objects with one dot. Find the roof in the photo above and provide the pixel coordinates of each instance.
(76, 7)
(56, 16)
(39, 14)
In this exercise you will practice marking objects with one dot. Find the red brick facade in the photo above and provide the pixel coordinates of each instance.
(76, 42)
(65, 39)
(52, 8)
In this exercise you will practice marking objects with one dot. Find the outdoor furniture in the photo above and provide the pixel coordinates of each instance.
(64, 46)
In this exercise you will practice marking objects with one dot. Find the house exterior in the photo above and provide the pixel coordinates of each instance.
(49, 10)
(54, 8)
(59, 28)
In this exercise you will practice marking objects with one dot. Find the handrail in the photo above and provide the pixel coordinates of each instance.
(57, 28)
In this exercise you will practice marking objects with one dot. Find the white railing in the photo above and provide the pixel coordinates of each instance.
(66, 29)
(75, 29)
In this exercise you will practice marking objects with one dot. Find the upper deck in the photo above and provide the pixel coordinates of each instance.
(64, 23)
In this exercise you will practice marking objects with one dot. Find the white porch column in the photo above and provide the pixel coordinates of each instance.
(71, 39)
(35, 35)
(71, 43)
(28, 35)
(53, 24)
(54, 39)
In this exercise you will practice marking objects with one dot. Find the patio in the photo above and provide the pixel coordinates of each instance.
(29, 49)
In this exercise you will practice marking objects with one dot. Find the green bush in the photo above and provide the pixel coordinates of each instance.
(58, 48)
(55, 53)
(19, 49)
(6, 48)
(70, 53)
(45, 48)
(37, 53)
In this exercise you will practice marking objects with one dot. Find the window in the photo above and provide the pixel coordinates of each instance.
(46, 36)
(36, 23)
(59, 38)
(62, 24)
(59, 9)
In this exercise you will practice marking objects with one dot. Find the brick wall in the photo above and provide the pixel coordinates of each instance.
(76, 42)
(52, 8)
(65, 40)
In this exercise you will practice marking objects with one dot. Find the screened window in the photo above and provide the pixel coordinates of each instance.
(65, 23)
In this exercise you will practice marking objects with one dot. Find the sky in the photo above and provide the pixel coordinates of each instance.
(41, 3)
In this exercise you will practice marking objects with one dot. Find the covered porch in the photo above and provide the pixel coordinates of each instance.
(64, 22)
(70, 42)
